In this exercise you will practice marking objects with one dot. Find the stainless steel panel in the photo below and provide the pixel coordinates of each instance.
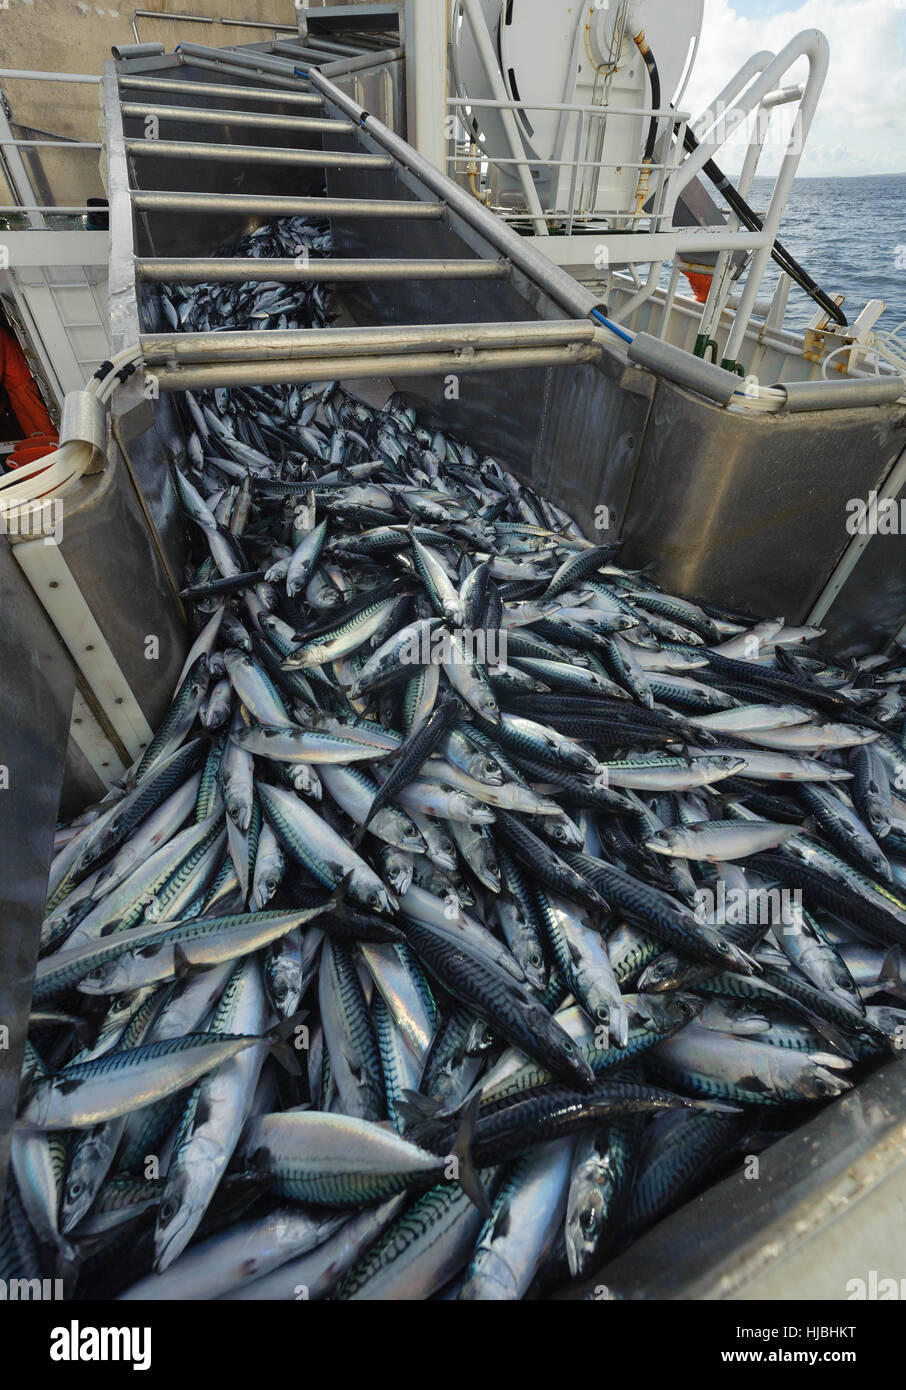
(109, 547)
(587, 454)
(148, 455)
(751, 510)
(871, 607)
(35, 706)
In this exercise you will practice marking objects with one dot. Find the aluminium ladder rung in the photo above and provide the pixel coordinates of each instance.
(198, 269)
(283, 205)
(315, 44)
(305, 54)
(205, 376)
(273, 81)
(277, 344)
(203, 115)
(257, 154)
(219, 89)
(237, 58)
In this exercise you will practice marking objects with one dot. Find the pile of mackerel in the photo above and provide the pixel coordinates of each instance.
(476, 902)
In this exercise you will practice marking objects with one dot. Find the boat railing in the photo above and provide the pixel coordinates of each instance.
(593, 239)
(53, 261)
(583, 210)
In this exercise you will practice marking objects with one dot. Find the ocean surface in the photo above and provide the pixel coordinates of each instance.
(850, 235)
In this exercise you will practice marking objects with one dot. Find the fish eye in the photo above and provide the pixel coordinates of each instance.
(587, 1220)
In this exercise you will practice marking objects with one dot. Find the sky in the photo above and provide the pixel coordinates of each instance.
(860, 127)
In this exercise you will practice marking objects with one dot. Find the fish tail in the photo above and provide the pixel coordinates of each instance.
(891, 976)
(467, 1175)
(278, 1039)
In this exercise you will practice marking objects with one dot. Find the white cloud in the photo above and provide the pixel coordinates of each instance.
(860, 127)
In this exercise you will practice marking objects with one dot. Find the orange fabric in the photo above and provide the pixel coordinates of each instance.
(701, 285)
(24, 396)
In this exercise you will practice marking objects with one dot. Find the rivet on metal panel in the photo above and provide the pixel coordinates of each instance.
(89, 736)
(55, 585)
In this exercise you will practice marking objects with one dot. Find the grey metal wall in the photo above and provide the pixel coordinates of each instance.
(35, 706)
(751, 510)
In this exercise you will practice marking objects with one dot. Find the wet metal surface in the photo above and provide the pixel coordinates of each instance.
(35, 706)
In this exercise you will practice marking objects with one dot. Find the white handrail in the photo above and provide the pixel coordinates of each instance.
(738, 83)
(810, 44)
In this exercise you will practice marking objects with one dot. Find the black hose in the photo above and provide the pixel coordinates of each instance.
(753, 222)
(737, 202)
(655, 79)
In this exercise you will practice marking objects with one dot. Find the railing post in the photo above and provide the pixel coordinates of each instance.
(16, 172)
(426, 78)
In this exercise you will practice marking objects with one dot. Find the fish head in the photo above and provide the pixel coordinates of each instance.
(820, 1083)
(484, 769)
(286, 979)
(408, 837)
(878, 861)
(574, 1063)
(587, 1215)
(535, 966)
(877, 815)
(182, 1206)
(487, 705)
(199, 674)
(490, 870)
(660, 975)
(81, 1187)
(662, 841)
(238, 809)
(682, 1008)
(109, 978)
(378, 898)
(663, 1011)
(399, 874)
(564, 832)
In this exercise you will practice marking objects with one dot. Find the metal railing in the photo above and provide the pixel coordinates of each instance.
(180, 360)
(205, 19)
(15, 172)
(53, 264)
(582, 206)
(646, 235)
